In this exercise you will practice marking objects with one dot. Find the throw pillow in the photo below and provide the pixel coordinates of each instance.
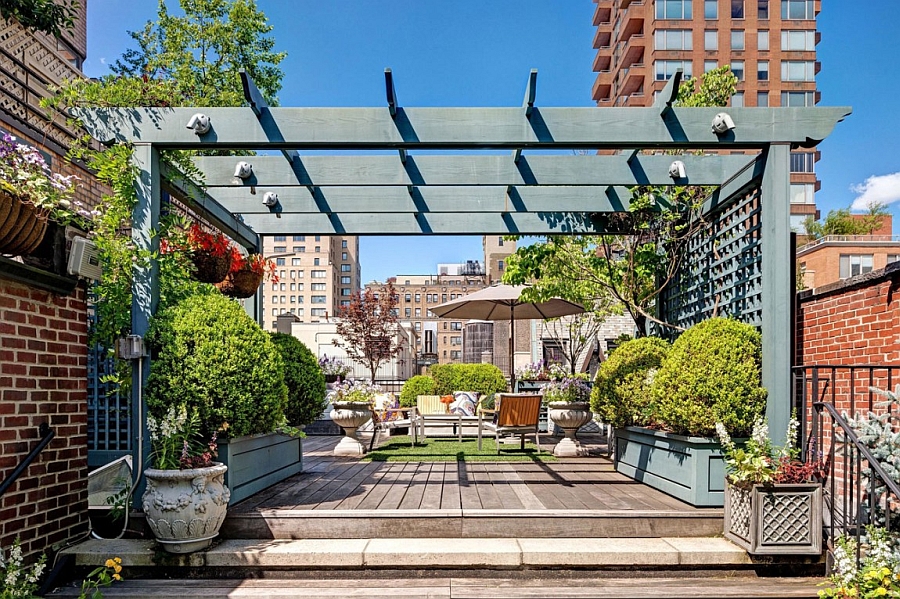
(464, 403)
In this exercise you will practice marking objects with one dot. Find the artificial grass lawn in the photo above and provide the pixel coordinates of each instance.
(401, 449)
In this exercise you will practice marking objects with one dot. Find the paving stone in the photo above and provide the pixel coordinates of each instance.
(598, 552)
(456, 553)
(707, 552)
(306, 553)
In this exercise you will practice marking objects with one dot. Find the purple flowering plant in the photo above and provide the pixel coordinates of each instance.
(333, 367)
(568, 389)
(25, 175)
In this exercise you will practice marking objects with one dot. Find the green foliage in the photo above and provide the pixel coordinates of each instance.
(203, 50)
(304, 380)
(211, 356)
(714, 88)
(841, 222)
(712, 374)
(483, 378)
(48, 16)
(621, 393)
(421, 384)
(876, 575)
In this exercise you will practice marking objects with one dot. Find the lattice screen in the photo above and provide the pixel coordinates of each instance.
(721, 275)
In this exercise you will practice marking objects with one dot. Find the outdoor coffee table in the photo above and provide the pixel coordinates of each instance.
(454, 420)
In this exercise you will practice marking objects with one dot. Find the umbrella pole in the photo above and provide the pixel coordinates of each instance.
(512, 342)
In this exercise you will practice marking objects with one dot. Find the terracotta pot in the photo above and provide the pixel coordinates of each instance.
(186, 508)
(241, 283)
(210, 268)
(22, 226)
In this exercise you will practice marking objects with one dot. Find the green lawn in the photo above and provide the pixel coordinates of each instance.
(401, 449)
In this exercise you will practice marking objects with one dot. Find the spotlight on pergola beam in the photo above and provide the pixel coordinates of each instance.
(669, 93)
(390, 92)
(258, 104)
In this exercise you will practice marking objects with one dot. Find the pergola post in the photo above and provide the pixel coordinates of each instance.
(778, 287)
(144, 294)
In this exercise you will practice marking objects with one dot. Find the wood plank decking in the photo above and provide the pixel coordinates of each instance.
(462, 499)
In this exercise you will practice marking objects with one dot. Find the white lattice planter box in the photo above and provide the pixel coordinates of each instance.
(781, 519)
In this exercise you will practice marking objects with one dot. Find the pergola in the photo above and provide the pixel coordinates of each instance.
(739, 267)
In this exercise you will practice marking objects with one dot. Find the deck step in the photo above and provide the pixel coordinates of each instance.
(540, 586)
(470, 523)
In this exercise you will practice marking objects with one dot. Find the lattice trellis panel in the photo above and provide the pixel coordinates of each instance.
(721, 273)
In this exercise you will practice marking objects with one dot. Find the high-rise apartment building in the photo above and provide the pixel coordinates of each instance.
(317, 274)
(769, 44)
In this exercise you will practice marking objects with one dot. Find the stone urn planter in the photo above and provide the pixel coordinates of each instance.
(777, 519)
(350, 415)
(569, 416)
(186, 508)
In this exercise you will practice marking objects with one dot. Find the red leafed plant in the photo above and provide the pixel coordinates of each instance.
(216, 244)
(256, 263)
(793, 471)
(204, 459)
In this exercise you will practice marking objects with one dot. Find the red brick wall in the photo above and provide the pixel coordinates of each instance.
(43, 378)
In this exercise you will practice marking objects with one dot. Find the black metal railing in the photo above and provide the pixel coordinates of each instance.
(46, 436)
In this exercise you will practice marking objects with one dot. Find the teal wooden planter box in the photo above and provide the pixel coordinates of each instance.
(691, 469)
(256, 462)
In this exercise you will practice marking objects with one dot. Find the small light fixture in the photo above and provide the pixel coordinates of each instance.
(243, 170)
(270, 199)
(677, 171)
(722, 123)
(199, 123)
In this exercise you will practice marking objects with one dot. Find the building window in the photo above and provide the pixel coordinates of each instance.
(274, 299)
(318, 249)
(343, 255)
(801, 41)
(293, 286)
(803, 193)
(500, 265)
(737, 9)
(317, 299)
(762, 9)
(455, 355)
(300, 274)
(407, 312)
(456, 340)
(345, 268)
(279, 262)
(317, 287)
(798, 70)
(737, 67)
(299, 237)
(798, 9)
(798, 99)
(709, 65)
(317, 312)
(737, 100)
(666, 68)
(293, 299)
(762, 40)
(710, 40)
(673, 9)
(345, 280)
(670, 39)
(317, 274)
(299, 286)
(443, 297)
(345, 291)
(280, 238)
(299, 249)
(279, 249)
(318, 238)
(737, 40)
(295, 261)
(315, 262)
(407, 297)
(418, 312)
(803, 162)
(762, 99)
(418, 297)
(855, 264)
(343, 243)
(299, 299)
(711, 9)
(892, 258)
(500, 242)
(762, 70)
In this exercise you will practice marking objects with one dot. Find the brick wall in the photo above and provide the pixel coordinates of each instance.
(43, 378)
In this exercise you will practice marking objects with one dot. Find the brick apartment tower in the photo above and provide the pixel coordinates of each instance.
(317, 274)
(770, 45)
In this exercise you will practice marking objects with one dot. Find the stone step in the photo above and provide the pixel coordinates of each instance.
(471, 523)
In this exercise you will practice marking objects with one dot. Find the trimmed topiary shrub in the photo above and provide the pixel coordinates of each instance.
(621, 393)
(210, 355)
(483, 378)
(304, 380)
(421, 384)
(712, 374)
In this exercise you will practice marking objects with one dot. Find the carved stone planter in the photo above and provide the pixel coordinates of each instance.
(350, 415)
(569, 416)
(778, 519)
(186, 508)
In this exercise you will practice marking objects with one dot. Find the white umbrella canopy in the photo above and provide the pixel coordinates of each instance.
(501, 302)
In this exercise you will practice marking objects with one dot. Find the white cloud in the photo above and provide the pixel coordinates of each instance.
(884, 189)
(102, 60)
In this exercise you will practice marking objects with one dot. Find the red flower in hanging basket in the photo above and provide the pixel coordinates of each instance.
(215, 244)
(247, 274)
(211, 253)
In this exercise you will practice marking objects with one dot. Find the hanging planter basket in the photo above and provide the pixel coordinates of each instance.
(22, 226)
(210, 268)
(241, 283)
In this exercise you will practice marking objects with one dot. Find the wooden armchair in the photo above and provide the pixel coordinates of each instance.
(515, 414)
(386, 416)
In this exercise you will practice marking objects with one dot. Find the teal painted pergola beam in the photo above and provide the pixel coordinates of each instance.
(461, 128)
(462, 170)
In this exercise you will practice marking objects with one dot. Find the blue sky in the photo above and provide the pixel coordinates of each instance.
(479, 53)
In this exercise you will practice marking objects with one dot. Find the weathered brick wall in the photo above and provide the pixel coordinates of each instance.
(43, 378)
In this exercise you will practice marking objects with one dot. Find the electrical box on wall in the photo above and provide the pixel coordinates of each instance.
(84, 259)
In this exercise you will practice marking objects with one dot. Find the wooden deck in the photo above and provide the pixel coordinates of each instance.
(450, 498)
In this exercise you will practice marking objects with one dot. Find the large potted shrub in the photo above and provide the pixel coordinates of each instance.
(711, 374)
(209, 355)
(420, 384)
(304, 380)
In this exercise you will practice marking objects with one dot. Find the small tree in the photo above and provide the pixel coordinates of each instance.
(368, 328)
(573, 335)
(842, 222)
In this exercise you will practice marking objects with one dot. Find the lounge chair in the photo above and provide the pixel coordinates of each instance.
(515, 414)
(387, 415)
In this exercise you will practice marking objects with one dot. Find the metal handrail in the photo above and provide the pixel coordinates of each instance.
(46, 436)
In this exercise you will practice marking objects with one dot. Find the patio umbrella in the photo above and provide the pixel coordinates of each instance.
(501, 302)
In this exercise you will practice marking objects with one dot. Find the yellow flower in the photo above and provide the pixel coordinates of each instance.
(118, 560)
(117, 568)
(117, 576)
(110, 563)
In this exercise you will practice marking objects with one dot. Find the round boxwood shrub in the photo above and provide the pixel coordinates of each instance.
(304, 380)
(621, 393)
(210, 355)
(712, 374)
(421, 384)
(483, 378)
